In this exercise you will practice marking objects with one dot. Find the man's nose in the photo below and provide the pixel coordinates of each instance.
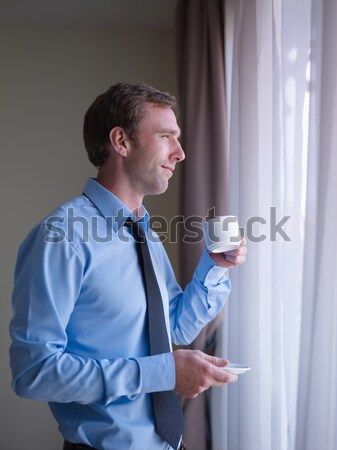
(178, 153)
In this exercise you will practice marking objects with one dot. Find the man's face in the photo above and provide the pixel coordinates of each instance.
(155, 150)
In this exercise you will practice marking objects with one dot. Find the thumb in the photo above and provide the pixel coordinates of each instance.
(219, 362)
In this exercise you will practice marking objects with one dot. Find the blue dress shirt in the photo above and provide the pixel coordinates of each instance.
(79, 337)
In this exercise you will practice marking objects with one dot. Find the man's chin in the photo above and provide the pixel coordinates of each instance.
(159, 189)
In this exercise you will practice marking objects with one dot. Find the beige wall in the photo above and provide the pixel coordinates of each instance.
(48, 78)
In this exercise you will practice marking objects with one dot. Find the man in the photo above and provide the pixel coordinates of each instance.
(83, 314)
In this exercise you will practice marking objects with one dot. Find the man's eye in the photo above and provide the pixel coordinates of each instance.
(166, 136)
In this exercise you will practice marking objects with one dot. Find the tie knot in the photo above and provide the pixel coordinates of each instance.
(137, 229)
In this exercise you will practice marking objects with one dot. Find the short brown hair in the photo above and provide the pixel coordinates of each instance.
(120, 106)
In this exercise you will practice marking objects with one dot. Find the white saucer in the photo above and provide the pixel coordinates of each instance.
(223, 247)
(237, 369)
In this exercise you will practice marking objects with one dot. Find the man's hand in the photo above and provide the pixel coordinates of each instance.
(232, 258)
(196, 372)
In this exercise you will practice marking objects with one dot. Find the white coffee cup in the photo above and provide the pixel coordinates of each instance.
(222, 234)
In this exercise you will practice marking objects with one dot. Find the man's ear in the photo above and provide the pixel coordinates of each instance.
(119, 141)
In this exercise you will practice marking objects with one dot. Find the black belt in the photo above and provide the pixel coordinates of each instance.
(69, 446)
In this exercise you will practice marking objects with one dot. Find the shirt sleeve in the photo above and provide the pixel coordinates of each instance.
(48, 280)
(200, 302)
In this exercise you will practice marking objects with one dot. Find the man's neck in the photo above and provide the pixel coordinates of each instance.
(120, 189)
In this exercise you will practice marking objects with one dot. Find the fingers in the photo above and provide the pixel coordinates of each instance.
(219, 374)
(232, 258)
(216, 376)
(235, 260)
(237, 256)
(220, 362)
(196, 372)
(224, 378)
(217, 371)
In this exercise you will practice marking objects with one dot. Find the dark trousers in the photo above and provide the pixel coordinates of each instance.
(69, 446)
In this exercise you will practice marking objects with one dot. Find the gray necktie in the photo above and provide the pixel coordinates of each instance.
(167, 410)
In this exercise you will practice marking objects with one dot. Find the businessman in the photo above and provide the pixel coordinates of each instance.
(96, 307)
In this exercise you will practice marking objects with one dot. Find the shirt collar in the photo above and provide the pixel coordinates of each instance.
(112, 207)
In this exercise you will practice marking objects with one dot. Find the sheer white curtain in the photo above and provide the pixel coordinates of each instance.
(267, 57)
(317, 401)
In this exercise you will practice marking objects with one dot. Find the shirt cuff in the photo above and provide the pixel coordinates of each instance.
(157, 372)
(209, 271)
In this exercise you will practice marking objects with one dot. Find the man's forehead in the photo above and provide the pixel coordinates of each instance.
(161, 116)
